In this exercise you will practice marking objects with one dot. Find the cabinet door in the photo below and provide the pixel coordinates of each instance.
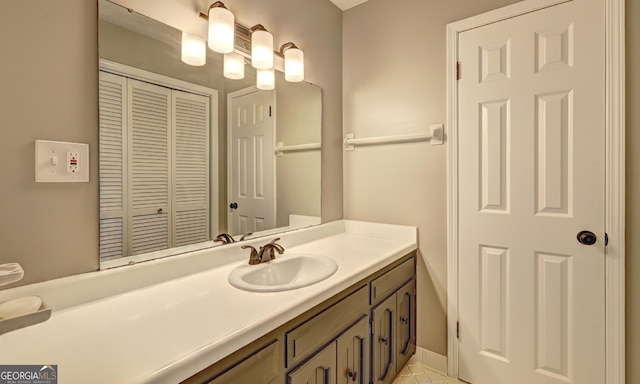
(384, 345)
(406, 326)
(353, 354)
(320, 369)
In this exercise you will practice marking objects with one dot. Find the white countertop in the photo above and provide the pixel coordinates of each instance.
(164, 331)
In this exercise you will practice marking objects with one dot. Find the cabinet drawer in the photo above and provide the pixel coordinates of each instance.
(263, 363)
(384, 285)
(312, 334)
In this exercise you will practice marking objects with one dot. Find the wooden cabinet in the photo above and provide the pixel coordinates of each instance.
(320, 369)
(306, 338)
(384, 345)
(394, 328)
(262, 363)
(353, 354)
(406, 323)
(363, 335)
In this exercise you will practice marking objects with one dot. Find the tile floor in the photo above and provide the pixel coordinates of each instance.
(416, 373)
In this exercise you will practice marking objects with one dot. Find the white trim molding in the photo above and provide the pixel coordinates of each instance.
(615, 127)
(614, 168)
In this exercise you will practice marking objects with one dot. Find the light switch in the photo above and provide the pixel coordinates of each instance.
(61, 162)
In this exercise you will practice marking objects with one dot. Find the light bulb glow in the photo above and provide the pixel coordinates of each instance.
(221, 30)
(293, 65)
(233, 66)
(265, 79)
(194, 50)
(262, 50)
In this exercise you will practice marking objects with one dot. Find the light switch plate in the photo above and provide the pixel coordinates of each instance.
(52, 162)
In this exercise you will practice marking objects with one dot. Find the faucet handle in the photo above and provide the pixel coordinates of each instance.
(245, 235)
(277, 247)
(253, 257)
(224, 238)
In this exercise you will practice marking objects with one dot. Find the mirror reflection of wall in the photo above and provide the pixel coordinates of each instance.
(166, 157)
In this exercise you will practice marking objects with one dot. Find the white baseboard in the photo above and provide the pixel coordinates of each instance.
(431, 360)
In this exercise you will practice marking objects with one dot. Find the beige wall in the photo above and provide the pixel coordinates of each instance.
(394, 54)
(400, 88)
(298, 121)
(49, 91)
(49, 83)
(633, 191)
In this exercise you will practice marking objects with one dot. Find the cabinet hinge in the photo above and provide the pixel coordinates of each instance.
(372, 326)
(458, 330)
(269, 111)
(458, 70)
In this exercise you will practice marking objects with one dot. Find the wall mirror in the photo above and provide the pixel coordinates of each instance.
(186, 154)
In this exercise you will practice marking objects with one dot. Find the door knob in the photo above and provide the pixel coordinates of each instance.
(587, 237)
(233, 205)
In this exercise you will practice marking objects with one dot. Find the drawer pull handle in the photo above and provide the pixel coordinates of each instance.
(404, 319)
(352, 375)
(384, 340)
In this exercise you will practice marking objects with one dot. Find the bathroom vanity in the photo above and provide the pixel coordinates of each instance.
(179, 320)
(369, 328)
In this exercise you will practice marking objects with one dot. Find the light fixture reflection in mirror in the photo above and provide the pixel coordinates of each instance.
(131, 46)
(233, 66)
(266, 79)
(194, 50)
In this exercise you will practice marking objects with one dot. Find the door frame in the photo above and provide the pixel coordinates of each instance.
(614, 179)
(230, 96)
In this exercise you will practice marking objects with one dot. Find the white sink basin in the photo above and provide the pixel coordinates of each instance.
(286, 272)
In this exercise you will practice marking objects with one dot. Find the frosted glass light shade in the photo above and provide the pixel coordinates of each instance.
(293, 65)
(221, 30)
(233, 66)
(194, 50)
(262, 50)
(265, 79)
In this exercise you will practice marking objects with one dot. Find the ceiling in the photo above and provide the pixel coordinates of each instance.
(346, 4)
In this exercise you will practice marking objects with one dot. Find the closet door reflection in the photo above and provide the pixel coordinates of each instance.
(153, 167)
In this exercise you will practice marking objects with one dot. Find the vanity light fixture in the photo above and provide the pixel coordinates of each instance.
(261, 47)
(293, 62)
(221, 28)
(233, 66)
(265, 79)
(194, 50)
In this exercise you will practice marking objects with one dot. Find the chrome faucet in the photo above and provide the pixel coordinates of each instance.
(267, 252)
(226, 238)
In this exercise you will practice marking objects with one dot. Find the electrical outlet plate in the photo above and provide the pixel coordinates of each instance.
(61, 162)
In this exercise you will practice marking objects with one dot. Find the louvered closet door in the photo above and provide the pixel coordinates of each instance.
(191, 168)
(150, 161)
(113, 149)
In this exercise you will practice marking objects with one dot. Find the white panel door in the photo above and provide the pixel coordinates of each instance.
(251, 171)
(149, 164)
(531, 176)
